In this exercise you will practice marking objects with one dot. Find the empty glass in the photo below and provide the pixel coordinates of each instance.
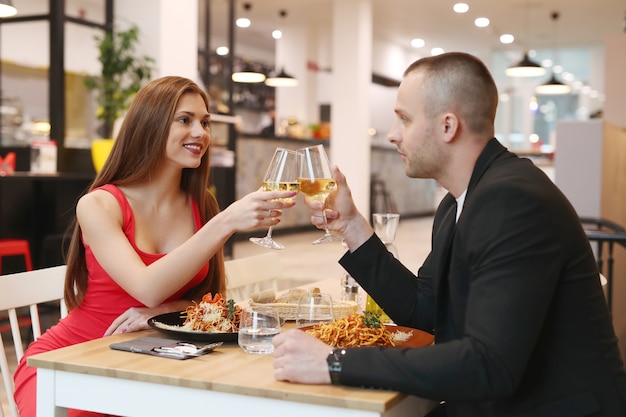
(313, 309)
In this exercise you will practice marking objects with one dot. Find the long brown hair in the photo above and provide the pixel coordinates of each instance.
(138, 149)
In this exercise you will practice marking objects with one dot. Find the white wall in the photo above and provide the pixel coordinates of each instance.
(578, 164)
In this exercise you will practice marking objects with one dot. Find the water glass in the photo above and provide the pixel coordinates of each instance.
(313, 309)
(257, 329)
(386, 226)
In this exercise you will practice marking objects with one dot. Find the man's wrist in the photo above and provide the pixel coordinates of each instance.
(335, 364)
(357, 232)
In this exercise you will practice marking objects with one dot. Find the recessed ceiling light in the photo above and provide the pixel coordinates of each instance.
(460, 7)
(243, 22)
(481, 22)
(507, 38)
(547, 63)
(417, 43)
(558, 69)
(277, 34)
(436, 51)
(222, 50)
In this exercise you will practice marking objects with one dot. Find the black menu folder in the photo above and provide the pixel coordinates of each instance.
(167, 348)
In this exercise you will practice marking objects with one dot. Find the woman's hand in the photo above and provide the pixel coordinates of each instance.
(258, 209)
(136, 318)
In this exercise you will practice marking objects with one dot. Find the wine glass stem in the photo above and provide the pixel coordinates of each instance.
(325, 222)
(269, 232)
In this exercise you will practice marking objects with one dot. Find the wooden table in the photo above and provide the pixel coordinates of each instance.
(91, 376)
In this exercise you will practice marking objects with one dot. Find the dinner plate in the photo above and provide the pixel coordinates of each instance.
(416, 338)
(171, 325)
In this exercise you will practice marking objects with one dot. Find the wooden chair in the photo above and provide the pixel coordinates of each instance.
(252, 273)
(18, 291)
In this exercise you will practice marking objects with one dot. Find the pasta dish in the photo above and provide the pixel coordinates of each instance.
(356, 330)
(212, 314)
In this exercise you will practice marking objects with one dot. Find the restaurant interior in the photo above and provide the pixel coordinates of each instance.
(329, 69)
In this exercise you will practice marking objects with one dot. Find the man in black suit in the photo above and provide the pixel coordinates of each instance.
(510, 289)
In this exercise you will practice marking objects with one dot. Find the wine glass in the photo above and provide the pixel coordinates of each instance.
(281, 175)
(316, 181)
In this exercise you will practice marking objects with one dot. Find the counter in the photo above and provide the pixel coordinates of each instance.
(39, 208)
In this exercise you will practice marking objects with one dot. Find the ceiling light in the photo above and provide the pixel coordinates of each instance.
(282, 79)
(277, 34)
(525, 68)
(417, 43)
(222, 50)
(481, 22)
(507, 38)
(243, 22)
(460, 7)
(553, 87)
(436, 51)
(7, 9)
(248, 74)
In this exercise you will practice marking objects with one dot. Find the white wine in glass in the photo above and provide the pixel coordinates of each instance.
(281, 175)
(317, 182)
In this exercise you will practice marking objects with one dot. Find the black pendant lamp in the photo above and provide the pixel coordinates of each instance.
(248, 74)
(281, 79)
(525, 68)
(553, 87)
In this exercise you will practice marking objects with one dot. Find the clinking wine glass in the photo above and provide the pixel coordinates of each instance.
(317, 182)
(281, 175)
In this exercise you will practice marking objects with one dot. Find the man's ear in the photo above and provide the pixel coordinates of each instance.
(450, 126)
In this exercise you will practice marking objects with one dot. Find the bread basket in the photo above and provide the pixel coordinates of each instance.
(289, 311)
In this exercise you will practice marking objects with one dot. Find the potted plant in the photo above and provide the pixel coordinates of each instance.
(123, 73)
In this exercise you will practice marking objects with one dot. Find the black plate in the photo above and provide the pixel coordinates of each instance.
(175, 319)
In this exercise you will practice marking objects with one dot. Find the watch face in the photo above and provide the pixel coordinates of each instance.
(334, 364)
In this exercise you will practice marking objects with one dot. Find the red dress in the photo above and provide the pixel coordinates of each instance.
(104, 301)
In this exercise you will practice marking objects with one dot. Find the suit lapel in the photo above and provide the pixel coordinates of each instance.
(442, 244)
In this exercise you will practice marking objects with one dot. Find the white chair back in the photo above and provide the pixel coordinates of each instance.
(252, 273)
(21, 290)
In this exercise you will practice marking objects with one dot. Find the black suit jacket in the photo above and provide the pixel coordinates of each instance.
(513, 297)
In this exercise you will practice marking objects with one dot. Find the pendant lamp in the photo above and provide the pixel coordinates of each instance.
(526, 67)
(553, 86)
(281, 79)
(247, 74)
(7, 9)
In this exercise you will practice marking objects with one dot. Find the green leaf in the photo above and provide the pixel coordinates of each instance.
(371, 319)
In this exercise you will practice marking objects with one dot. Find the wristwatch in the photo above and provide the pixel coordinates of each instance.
(334, 364)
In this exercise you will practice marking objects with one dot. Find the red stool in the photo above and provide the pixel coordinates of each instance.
(16, 247)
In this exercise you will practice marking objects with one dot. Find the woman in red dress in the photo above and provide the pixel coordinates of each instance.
(148, 234)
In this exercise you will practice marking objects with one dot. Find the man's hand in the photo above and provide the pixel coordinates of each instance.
(300, 358)
(342, 215)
